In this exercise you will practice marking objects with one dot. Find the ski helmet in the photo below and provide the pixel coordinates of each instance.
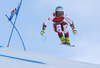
(59, 11)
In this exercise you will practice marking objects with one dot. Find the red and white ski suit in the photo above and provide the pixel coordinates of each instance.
(59, 24)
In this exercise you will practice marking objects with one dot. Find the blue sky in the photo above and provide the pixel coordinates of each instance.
(33, 13)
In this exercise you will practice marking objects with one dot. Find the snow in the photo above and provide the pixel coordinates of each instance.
(12, 58)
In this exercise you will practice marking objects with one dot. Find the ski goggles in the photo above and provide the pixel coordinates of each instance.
(59, 13)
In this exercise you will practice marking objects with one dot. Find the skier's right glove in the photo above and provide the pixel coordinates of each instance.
(42, 32)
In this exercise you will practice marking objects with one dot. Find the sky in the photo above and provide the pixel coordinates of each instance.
(84, 13)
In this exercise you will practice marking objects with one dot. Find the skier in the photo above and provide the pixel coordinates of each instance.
(60, 25)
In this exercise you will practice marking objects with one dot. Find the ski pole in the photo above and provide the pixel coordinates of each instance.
(45, 38)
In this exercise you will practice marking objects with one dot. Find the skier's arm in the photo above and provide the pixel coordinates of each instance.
(45, 24)
(67, 18)
(47, 21)
(72, 25)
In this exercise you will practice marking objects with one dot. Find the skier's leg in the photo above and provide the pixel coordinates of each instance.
(57, 28)
(66, 33)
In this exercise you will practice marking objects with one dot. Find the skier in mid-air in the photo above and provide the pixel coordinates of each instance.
(60, 25)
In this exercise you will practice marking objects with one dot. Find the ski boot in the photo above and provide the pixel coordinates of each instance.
(67, 41)
(62, 40)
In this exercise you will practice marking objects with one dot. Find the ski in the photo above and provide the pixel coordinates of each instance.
(68, 45)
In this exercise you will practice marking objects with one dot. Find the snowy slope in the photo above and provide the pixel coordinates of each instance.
(11, 58)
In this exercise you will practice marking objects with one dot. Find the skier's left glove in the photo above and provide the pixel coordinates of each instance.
(74, 31)
(42, 32)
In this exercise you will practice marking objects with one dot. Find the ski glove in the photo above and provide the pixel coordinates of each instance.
(42, 32)
(74, 31)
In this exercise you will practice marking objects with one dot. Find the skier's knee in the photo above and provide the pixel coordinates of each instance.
(65, 29)
(58, 27)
